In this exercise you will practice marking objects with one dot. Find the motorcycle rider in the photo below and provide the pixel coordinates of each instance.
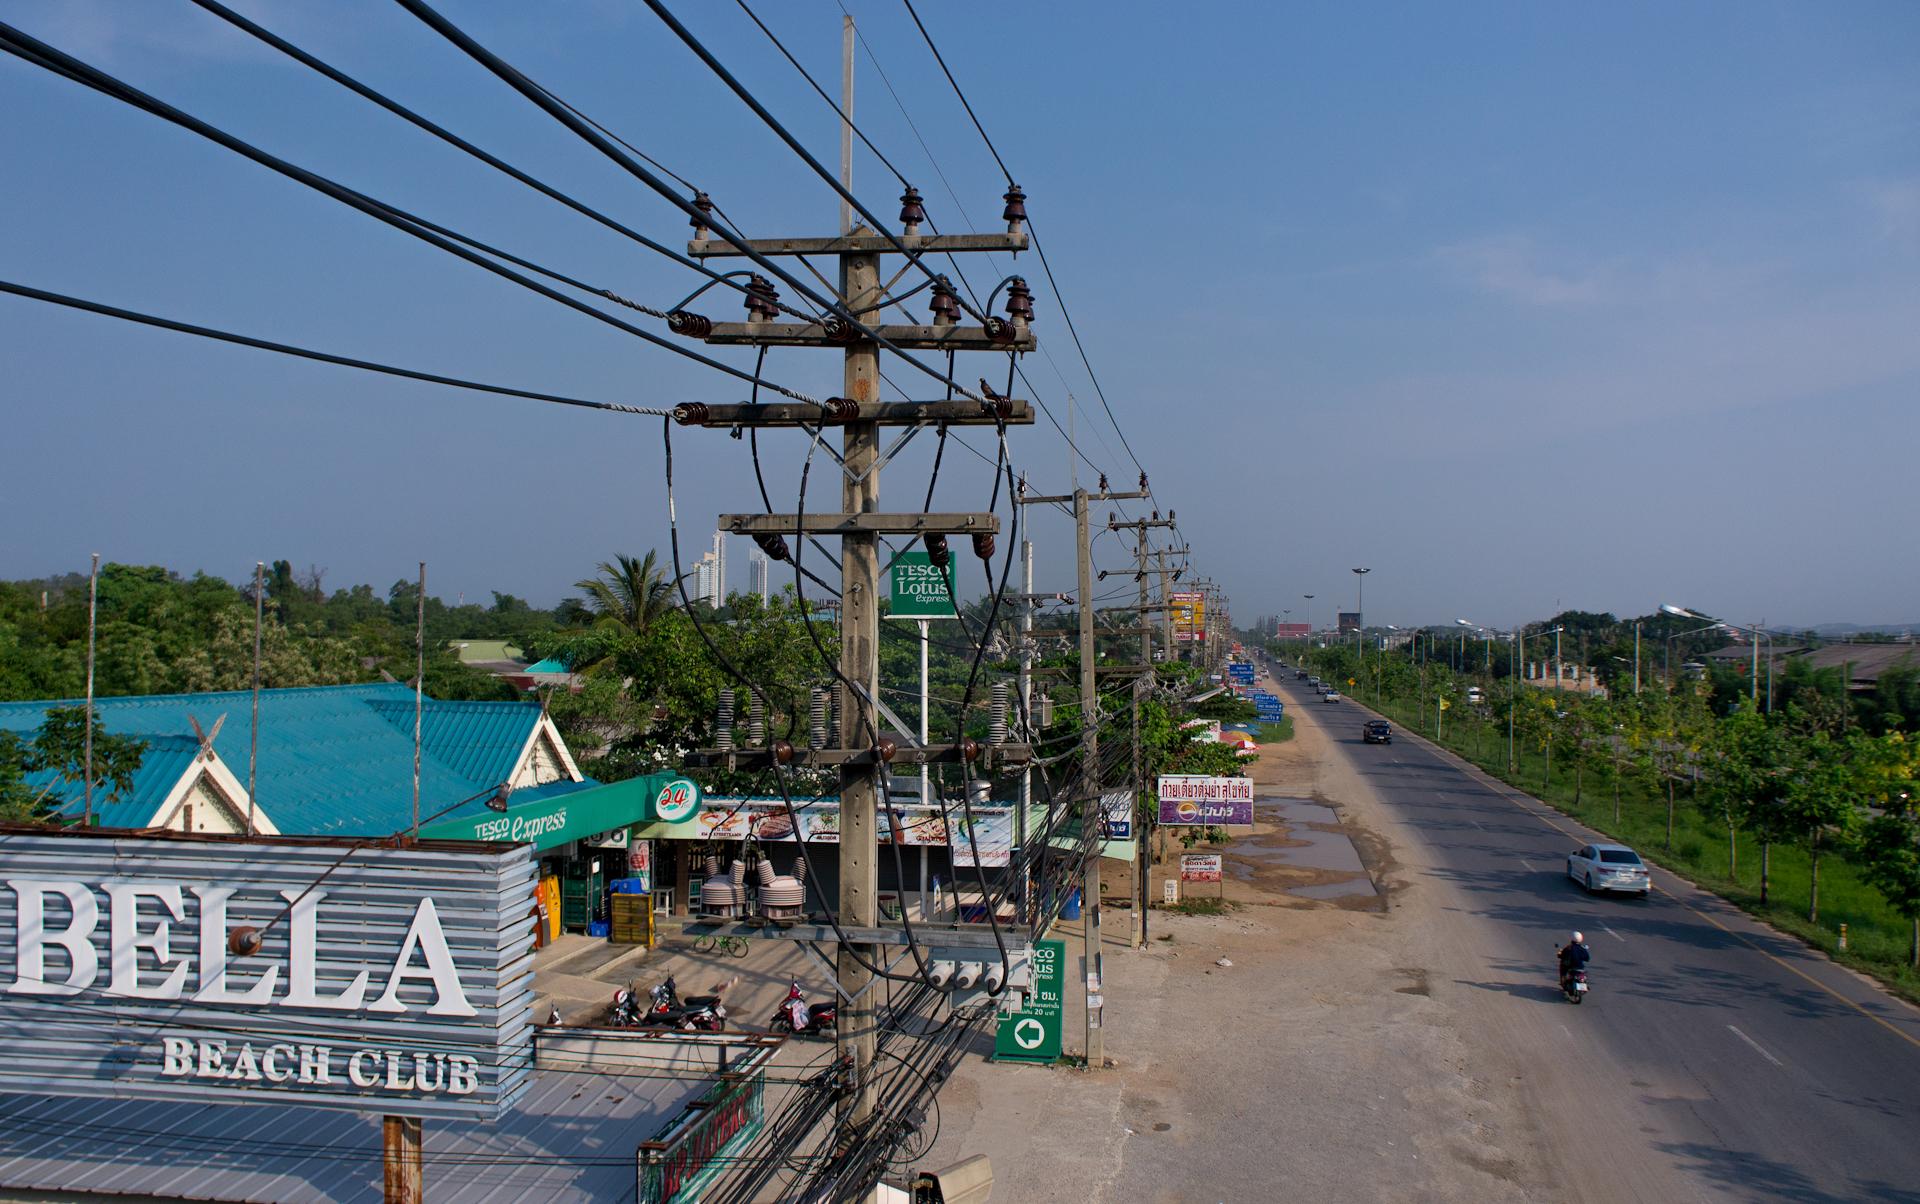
(1574, 957)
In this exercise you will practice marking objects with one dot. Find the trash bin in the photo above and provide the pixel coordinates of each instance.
(1070, 910)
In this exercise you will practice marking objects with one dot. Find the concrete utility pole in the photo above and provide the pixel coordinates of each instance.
(1090, 816)
(863, 752)
(1140, 527)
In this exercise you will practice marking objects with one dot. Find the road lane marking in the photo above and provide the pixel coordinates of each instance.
(1610, 932)
(1476, 823)
(1756, 1047)
(1530, 865)
(1513, 796)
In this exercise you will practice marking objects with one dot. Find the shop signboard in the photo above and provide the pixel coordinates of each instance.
(921, 589)
(387, 980)
(1032, 1034)
(1116, 815)
(1196, 799)
(1207, 731)
(589, 813)
(1189, 616)
(1200, 867)
(983, 839)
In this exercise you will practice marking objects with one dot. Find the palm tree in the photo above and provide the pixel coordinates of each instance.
(630, 593)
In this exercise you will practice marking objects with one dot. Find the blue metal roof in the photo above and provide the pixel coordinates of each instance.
(334, 760)
(163, 764)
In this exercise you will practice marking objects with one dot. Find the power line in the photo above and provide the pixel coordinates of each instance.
(1038, 249)
(60, 63)
(226, 336)
(521, 83)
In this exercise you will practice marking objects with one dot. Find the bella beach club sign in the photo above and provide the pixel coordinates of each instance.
(381, 979)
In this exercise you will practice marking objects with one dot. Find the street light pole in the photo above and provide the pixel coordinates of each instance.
(1360, 626)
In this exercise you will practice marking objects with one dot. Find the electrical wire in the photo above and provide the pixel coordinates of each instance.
(60, 63)
(521, 83)
(208, 332)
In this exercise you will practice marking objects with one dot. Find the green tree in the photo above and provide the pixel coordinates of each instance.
(1887, 848)
(59, 748)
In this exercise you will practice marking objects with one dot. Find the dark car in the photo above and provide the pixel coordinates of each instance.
(1376, 731)
(1300, 674)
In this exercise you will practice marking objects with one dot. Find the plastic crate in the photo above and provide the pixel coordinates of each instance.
(599, 928)
(628, 886)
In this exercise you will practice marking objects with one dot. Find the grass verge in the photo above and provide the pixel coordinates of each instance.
(1275, 733)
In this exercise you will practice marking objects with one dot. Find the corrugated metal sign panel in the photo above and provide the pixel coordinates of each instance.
(388, 980)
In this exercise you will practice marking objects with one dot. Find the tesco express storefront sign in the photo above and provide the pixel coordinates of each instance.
(520, 829)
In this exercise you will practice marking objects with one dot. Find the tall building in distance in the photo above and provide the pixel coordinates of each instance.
(719, 554)
(760, 575)
(703, 577)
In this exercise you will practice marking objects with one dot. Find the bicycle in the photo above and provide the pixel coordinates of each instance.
(721, 943)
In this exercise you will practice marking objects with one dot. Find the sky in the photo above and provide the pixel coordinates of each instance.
(1520, 307)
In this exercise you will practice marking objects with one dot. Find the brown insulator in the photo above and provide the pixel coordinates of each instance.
(1016, 210)
(983, 544)
(969, 749)
(244, 941)
(937, 552)
(692, 413)
(689, 324)
(884, 748)
(704, 204)
(912, 212)
(783, 752)
(945, 304)
(840, 411)
(774, 546)
(999, 330)
(1019, 300)
(838, 330)
(763, 300)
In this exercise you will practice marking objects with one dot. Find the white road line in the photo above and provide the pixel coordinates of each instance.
(1756, 1047)
(1530, 865)
(1476, 823)
(1610, 932)
(1569, 1032)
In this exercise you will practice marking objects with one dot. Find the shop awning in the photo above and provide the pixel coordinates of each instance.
(547, 819)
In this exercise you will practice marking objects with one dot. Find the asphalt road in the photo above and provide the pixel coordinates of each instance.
(1714, 1059)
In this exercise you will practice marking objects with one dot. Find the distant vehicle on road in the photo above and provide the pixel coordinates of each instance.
(1376, 731)
(1333, 696)
(1313, 681)
(1300, 674)
(1603, 867)
(1476, 694)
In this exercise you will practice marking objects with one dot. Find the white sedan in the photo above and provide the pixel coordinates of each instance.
(1609, 867)
(1333, 696)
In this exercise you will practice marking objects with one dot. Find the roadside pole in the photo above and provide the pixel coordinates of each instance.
(1140, 527)
(1032, 734)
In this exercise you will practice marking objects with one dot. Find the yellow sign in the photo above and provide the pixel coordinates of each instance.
(1349, 681)
(1445, 705)
(1189, 617)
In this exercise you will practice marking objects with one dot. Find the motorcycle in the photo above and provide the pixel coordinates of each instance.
(703, 1013)
(1573, 984)
(796, 1015)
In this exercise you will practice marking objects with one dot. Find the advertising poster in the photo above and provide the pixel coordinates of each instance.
(1193, 799)
(988, 841)
(1116, 815)
(1200, 867)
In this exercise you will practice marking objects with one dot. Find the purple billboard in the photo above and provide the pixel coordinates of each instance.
(1193, 799)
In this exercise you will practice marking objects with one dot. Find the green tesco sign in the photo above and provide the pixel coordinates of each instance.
(551, 822)
(1032, 1034)
(920, 589)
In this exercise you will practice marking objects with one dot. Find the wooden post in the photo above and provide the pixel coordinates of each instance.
(400, 1160)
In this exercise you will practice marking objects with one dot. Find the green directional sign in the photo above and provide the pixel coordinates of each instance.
(921, 589)
(1032, 1034)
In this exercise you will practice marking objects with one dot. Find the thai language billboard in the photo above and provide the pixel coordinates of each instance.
(1193, 799)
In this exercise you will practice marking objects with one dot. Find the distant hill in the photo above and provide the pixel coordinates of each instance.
(1834, 631)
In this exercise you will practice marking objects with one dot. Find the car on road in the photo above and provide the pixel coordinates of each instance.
(1300, 674)
(1332, 696)
(1313, 681)
(1615, 867)
(1376, 731)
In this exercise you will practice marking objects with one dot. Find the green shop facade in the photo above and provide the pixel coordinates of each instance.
(587, 837)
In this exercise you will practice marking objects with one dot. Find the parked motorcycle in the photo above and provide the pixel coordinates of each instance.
(1573, 984)
(796, 1015)
(702, 1013)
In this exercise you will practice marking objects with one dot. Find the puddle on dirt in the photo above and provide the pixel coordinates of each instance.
(1305, 852)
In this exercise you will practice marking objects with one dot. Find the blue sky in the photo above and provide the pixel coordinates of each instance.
(1519, 306)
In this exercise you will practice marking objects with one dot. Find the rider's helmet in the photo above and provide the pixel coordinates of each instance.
(1579, 938)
